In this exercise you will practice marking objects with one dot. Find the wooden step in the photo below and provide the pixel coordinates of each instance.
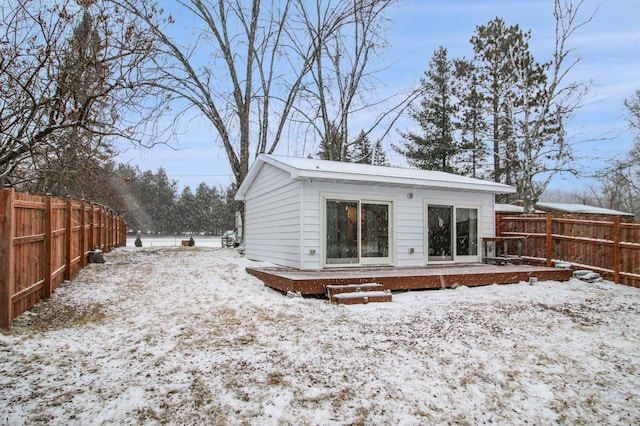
(351, 288)
(362, 297)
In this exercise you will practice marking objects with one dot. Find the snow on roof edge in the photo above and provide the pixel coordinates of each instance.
(563, 207)
(305, 168)
(508, 208)
(581, 209)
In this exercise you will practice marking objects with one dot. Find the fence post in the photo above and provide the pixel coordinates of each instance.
(48, 245)
(101, 228)
(94, 228)
(7, 269)
(122, 238)
(616, 249)
(67, 243)
(549, 242)
(111, 221)
(92, 215)
(83, 235)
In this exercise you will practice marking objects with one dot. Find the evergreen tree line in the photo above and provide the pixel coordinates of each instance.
(150, 202)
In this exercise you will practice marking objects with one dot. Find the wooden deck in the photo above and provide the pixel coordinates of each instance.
(394, 279)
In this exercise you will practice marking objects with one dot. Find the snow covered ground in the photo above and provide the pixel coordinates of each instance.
(179, 335)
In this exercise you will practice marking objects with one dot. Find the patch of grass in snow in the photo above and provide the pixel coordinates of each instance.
(275, 378)
(194, 404)
(55, 314)
(201, 393)
(581, 314)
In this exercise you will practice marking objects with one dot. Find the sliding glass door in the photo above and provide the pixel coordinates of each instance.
(439, 219)
(342, 232)
(374, 231)
(358, 232)
(466, 232)
(452, 233)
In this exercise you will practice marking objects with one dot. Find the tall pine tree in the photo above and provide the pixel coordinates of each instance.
(471, 125)
(530, 101)
(434, 148)
(494, 46)
(362, 152)
(379, 155)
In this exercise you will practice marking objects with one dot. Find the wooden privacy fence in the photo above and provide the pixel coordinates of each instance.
(44, 241)
(610, 247)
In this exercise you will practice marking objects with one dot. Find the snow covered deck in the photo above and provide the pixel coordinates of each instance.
(431, 277)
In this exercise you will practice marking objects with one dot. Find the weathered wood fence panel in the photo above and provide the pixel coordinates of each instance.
(44, 241)
(611, 248)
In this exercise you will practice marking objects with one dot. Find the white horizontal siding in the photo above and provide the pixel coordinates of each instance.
(272, 218)
(409, 216)
(410, 230)
(311, 227)
(281, 231)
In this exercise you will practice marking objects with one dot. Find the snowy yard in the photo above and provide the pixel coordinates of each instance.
(178, 335)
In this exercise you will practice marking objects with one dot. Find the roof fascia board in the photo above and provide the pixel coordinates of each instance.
(405, 181)
(254, 170)
(294, 172)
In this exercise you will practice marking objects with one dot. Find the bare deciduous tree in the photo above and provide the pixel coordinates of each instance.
(348, 36)
(539, 112)
(238, 71)
(261, 71)
(60, 91)
(619, 186)
(633, 105)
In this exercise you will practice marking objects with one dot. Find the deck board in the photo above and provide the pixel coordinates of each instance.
(396, 279)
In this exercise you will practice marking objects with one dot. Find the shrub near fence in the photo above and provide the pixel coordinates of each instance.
(610, 247)
(44, 241)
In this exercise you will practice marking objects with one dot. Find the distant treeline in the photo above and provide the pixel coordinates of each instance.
(150, 202)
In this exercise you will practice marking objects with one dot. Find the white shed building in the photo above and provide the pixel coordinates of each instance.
(315, 214)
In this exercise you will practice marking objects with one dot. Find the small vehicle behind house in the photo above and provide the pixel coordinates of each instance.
(230, 239)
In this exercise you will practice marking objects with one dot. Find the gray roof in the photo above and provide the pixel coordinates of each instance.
(335, 171)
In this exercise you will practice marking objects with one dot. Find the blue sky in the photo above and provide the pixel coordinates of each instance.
(609, 48)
